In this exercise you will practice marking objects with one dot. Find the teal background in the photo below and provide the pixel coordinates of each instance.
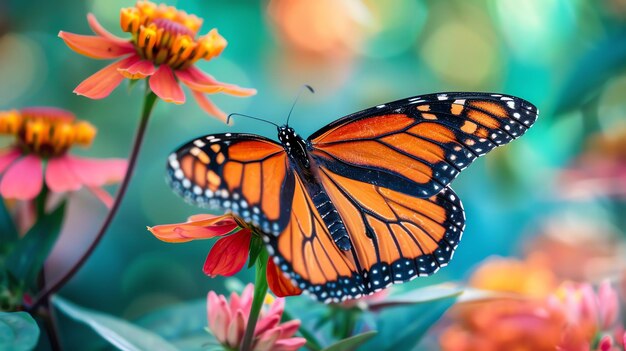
(565, 56)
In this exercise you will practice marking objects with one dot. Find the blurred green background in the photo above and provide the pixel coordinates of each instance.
(568, 57)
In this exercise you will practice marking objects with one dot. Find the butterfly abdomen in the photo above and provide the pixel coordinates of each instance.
(331, 218)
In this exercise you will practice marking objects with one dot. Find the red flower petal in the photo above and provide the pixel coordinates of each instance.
(23, 180)
(200, 81)
(102, 83)
(208, 106)
(228, 255)
(280, 285)
(97, 28)
(197, 227)
(95, 46)
(165, 86)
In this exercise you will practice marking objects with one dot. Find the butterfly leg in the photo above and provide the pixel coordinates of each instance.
(331, 218)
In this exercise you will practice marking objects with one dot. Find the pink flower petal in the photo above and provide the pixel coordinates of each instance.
(200, 81)
(266, 323)
(23, 180)
(97, 172)
(236, 330)
(102, 195)
(608, 304)
(97, 28)
(197, 227)
(60, 177)
(103, 82)
(165, 86)
(288, 329)
(7, 157)
(208, 106)
(95, 46)
(228, 255)
(138, 70)
(219, 315)
(266, 341)
(291, 344)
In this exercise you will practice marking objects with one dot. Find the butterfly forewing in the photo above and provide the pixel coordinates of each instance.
(246, 174)
(419, 145)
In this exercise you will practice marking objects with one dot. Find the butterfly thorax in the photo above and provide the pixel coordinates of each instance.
(294, 145)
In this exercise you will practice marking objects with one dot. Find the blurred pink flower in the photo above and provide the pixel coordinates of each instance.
(163, 47)
(43, 137)
(228, 320)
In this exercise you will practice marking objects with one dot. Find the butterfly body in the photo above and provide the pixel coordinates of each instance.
(362, 203)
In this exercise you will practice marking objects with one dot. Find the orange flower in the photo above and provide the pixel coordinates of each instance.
(230, 253)
(163, 46)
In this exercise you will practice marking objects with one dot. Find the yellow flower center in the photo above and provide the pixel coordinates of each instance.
(165, 35)
(46, 132)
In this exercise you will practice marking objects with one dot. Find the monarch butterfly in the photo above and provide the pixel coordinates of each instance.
(363, 202)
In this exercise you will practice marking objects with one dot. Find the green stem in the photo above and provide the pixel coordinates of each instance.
(148, 105)
(260, 290)
(40, 202)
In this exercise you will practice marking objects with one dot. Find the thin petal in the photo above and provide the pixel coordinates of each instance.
(198, 227)
(23, 180)
(236, 329)
(280, 285)
(165, 86)
(95, 46)
(98, 172)
(267, 340)
(228, 255)
(291, 344)
(208, 106)
(266, 323)
(138, 70)
(60, 177)
(98, 29)
(200, 81)
(288, 329)
(7, 157)
(102, 83)
(102, 195)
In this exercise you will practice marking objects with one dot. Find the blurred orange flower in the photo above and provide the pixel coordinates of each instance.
(230, 253)
(43, 137)
(163, 46)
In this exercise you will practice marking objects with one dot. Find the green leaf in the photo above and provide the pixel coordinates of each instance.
(8, 233)
(419, 296)
(29, 254)
(18, 331)
(402, 326)
(256, 245)
(352, 342)
(119, 332)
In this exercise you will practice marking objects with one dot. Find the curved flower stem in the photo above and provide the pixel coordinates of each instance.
(260, 290)
(148, 105)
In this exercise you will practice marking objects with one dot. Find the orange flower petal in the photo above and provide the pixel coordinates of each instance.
(97, 28)
(208, 106)
(197, 227)
(96, 46)
(280, 285)
(102, 83)
(228, 255)
(138, 70)
(200, 81)
(165, 86)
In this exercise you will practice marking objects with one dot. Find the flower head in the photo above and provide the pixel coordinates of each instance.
(164, 46)
(228, 320)
(43, 136)
(230, 253)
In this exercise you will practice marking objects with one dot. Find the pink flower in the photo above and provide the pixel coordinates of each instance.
(228, 320)
(43, 137)
(230, 253)
(163, 46)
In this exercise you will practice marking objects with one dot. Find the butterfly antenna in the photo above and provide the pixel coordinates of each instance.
(256, 118)
(297, 97)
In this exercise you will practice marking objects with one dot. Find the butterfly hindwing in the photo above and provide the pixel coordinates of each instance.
(419, 145)
(244, 173)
